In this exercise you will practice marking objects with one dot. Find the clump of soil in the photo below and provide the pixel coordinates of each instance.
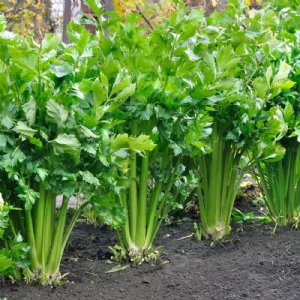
(254, 265)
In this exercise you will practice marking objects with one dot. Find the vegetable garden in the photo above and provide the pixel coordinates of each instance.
(151, 131)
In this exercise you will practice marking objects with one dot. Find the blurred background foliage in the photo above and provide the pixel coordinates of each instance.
(156, 10)
(36, 16)
(153, 10)
(28, 16)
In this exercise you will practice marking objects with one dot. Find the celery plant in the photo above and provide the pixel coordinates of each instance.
(219, 182)
(145, 196)
(13, 251)
(154, 115)
(52, 141)
(221, 93)
(231, 94)
(280, 183)
(36, 150)
(279, 180)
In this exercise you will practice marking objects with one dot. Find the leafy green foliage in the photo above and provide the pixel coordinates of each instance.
(240, 217)
(203, 88)
(147, 71)
(280, 179)
(130, 120)
(28, 17)
(55, 140)
(232, 90)
(13, 253)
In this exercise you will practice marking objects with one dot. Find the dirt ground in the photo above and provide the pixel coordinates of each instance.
(254, 264)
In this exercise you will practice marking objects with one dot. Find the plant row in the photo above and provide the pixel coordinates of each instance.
(133, 121)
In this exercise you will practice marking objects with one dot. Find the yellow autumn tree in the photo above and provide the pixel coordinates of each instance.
(152, 11)
(27, 17)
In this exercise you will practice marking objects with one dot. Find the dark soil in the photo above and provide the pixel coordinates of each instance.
(255, 264)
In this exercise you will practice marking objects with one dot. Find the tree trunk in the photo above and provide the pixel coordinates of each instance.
(109, 6)
(210, 7)
(67, 19)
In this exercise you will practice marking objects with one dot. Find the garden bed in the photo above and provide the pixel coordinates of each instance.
(254, 264)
